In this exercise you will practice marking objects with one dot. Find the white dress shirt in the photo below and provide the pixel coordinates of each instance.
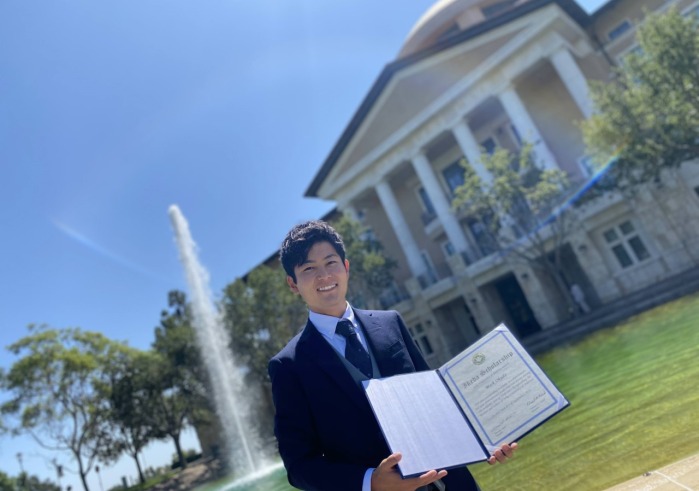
(326, 325)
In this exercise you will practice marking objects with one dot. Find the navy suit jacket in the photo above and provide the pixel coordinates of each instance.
(327, 433)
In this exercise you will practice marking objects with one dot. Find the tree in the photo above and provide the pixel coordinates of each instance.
(54, 392)
(520, 212)
(647, 120)
(371, 270)
(6, 482)
(129, 404)
(26, 482)
(177, 382)
(261, 314)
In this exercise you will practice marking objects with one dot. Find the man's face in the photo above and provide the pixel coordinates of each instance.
(322, 280)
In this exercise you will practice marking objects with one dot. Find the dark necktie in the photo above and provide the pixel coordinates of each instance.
(354, 352)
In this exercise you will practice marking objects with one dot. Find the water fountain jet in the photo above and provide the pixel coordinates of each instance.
(242, 445)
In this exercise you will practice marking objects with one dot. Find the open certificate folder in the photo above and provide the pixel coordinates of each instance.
(490, 394)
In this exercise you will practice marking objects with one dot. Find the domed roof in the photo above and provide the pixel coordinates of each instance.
(443, 18)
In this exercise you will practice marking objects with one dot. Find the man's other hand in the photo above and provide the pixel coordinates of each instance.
(387, 478)
(503, 453)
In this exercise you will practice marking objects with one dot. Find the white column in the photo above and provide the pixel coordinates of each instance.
(429, 181)
(400, 227)
(573, 78)
(514, 107)
(472, 151)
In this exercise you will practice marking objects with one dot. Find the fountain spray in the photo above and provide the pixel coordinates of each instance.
(242, 445)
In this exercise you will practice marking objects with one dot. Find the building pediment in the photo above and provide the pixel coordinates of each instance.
(412, 90)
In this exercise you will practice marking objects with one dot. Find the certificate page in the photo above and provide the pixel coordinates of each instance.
(501, 389)
(419, 418)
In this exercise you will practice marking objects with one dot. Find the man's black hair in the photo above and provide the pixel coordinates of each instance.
(301, 238)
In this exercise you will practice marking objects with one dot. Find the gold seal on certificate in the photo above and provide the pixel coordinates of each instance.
(491, 393)
(478, 359)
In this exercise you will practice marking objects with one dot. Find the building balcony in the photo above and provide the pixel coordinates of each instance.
(426, 280)
(484, 264)
(438, 288)
(393, 296)
(458, 263)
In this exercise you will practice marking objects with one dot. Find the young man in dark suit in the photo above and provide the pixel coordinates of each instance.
(328, 437)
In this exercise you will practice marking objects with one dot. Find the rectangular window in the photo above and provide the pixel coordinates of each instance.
(421, 339)
(431, 274)
(428, 213)
(626, 244)
(454, 176)
(626, 228)
(448, 248)
(639, 249)
(488, 145)
(515, 134)
(484, 240)
(524, 220)
(426, 202)
(618, 30)
(622, 256)
(426, 346)
(610, 235)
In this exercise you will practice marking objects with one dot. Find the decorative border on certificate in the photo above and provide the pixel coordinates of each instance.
(501, 389)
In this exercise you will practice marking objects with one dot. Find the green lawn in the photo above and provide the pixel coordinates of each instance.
(634, 408)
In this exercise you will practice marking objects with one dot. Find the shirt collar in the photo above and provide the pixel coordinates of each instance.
(326, 323)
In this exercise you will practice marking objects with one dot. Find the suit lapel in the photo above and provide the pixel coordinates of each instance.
(385, 341)
(318, 352)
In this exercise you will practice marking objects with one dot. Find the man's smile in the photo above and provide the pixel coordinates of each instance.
(327, 288)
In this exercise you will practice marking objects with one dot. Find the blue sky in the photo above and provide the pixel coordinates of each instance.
(112, 111)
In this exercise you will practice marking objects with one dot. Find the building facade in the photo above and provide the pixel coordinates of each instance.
(471, 76)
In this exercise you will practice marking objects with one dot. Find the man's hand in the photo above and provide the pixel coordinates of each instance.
(503, 453)
(387, 478)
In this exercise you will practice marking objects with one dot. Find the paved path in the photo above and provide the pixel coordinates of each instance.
(682, 475)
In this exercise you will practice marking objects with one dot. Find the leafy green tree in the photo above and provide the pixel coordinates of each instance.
(647, 119)
(261, 314)
(371, 271)
(130, 403)
(54, 391)
(26, 482)
(3, 416)
(520, 212)
(171, 409)
(6, 482)
(178, 381)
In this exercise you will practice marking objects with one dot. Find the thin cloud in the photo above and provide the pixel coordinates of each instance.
(102, 251)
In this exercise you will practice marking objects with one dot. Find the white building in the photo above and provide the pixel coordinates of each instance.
(478, 74)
